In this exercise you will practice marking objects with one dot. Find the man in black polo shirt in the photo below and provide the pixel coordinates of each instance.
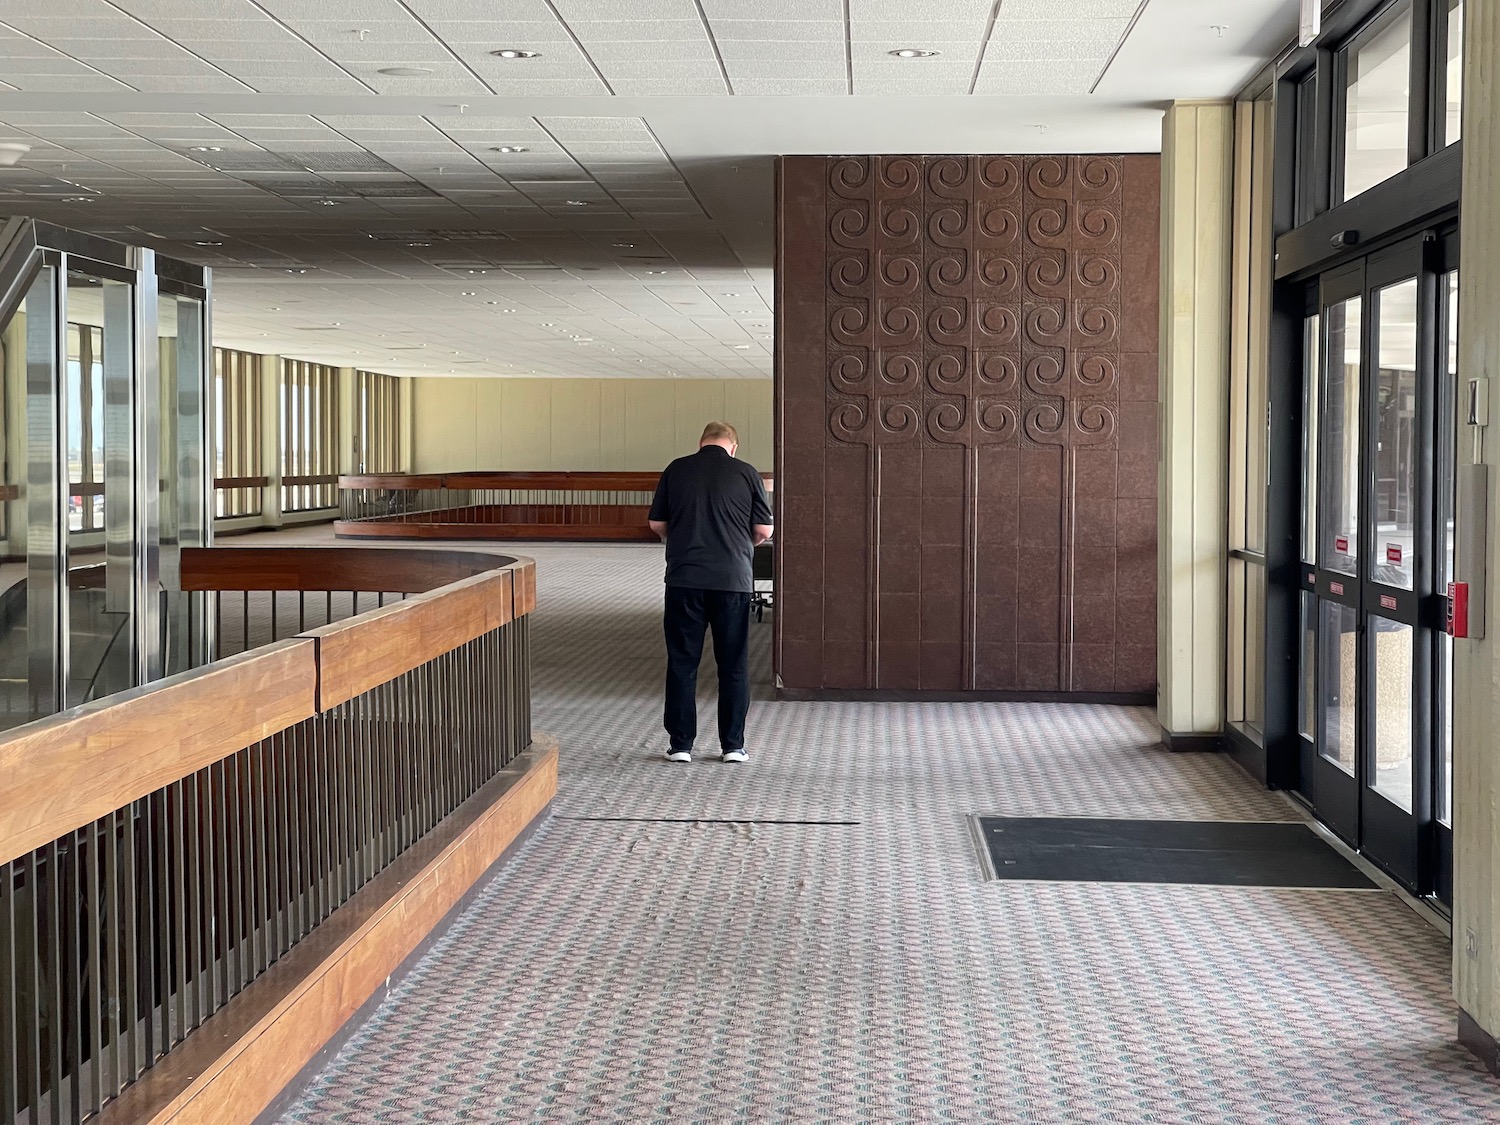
(711, 511)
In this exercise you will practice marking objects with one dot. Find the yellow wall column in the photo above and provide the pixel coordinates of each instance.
(1476, 664)
(1197, 163)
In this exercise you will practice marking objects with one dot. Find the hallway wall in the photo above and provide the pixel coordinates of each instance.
(967, 384)
(581, 424)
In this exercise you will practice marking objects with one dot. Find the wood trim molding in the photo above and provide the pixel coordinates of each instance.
(72, 768)
(397, 570)
(1193, 743)
(521, 481)
(917, 695)
(376, 647)
(414, 529)
(234, 1066)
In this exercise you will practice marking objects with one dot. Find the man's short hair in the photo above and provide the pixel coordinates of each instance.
(718, 431)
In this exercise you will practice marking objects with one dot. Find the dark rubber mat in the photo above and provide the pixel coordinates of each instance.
(1224, 853)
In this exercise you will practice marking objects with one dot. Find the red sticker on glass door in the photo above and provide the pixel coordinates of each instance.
(1393, 553)
(1341, 545)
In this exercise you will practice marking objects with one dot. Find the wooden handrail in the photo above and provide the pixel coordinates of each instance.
(315, 478)
(520, 481)
(241, 482)
(401, 570)
(68, 770)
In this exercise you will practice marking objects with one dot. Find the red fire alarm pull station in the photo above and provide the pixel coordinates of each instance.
(1458, 609)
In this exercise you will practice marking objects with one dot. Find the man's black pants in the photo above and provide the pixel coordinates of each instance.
(726, 613)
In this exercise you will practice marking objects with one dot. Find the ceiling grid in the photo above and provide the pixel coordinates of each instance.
(374, 185)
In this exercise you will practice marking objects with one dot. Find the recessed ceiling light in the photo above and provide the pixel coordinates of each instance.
(623, 245)
(274, 308)
(912, 53)
(329, 203)
(576, 202)
(206, 148)
(79, 199)
(477, 271)
(415, 245)
(468, 293)
(515, 53)
(207, 242)
(405, 71)
(741, 347)
(656, 271)
(296, 270)
(510, 148)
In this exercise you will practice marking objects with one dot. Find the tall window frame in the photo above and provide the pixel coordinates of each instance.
(380, 423)
(239, 442)
(310, 434)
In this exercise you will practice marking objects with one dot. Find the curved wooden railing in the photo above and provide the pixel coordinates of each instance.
(162, 848)
(596, 506)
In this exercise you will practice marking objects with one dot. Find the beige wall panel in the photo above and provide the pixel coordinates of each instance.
(526, 425)
(1197, 172)
(578, 424)
(445, 425)
(749, 407)
(698, 404)
(1476, 664)
(650, 424)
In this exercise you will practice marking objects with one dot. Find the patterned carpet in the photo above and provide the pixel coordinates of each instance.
(630, 970)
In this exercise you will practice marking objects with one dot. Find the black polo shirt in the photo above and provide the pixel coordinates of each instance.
(709, 502)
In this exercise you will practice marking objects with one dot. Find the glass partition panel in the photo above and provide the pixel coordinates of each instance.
(1392, 670)
(1338, 663)
(100, 429)
(1395, 454)
(1312, 364)
(1339, 440)
(183, 516)
(1377, 98)
(18, 702)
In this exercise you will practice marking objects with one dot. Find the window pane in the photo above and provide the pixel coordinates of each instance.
(1339, 438)
(1392, 743)
(1395, 453)
(1307, 710)
(1312, 364)
(1445, 732)
(1338, 658)
(1454, 86)
(1255, 646)
(1376, 101)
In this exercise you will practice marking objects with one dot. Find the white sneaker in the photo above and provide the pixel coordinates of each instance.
(734, 756)
(679, 756)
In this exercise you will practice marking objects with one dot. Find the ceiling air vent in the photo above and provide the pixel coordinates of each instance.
(244, 160)
(339, 163)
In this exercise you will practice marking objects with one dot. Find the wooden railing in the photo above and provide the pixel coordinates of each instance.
(162, 848)
(610, 506)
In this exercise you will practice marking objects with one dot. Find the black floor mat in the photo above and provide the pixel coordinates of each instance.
(1225, 853)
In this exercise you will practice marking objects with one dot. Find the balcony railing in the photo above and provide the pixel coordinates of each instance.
(606, 506)
(162, 848)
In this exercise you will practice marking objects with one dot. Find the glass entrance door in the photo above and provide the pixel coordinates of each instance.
(1371, 593)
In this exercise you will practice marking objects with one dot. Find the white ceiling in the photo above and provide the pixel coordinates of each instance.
(366, 219)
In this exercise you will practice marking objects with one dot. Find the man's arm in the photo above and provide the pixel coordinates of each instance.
(758, 533)
(660, 527)
(761, 528)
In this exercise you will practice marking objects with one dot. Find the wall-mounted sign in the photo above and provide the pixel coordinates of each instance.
(1393, 553)
(1387, 602)
(1341, 544)
(1336, 587)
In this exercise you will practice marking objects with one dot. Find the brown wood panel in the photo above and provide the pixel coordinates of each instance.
(233, 1067)
(373, 648)
(241, 482)
(314, 478)
(390, 570)
(966, 423)
(373, 529)
(72, 768)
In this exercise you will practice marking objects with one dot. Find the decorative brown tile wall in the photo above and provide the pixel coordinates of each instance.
(967, 426)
